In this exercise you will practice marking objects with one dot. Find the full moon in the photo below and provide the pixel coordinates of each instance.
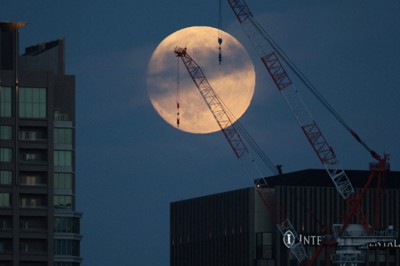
(168, 81)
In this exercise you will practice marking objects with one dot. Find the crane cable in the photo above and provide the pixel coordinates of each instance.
(220, 31)
(314, 90)
(177, 94)
(250, 140)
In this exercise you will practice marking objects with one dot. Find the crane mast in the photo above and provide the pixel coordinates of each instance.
(242, 153)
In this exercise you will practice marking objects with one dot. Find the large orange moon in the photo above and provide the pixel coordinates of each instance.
(233, 80)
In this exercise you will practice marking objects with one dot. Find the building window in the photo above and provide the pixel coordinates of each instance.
(33, 156)
(37, 246)
(62, 201)
(62, 158)
(32, 134)
(5, 200)
(33, 201)
(66, 247)
(66, 225)
(33, 179)
(5, 245)
(5, 132)
(63, 136)
(5, 177)
(5, 222)
(62, 181)
(66, 264)
(32, 103)
(5, 155)
(33, 223)
(5, 101)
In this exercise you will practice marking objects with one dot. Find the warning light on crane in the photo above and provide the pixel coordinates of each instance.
(177, 114)
(177, 95)
(220, 52)
(220, 32)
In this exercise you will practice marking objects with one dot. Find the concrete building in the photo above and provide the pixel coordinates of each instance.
(235, 228)
(38, 221)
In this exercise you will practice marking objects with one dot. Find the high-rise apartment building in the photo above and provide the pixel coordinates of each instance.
(38, 221)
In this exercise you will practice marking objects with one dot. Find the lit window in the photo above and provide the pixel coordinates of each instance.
(33, 201)
(32, 179)
(32, 102)
(33, 156)
(33, 134)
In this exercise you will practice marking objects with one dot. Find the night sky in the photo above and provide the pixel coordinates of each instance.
(131, 164)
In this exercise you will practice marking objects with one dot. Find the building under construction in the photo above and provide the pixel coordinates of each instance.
(235, 227)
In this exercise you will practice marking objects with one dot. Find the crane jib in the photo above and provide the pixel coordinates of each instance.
(239, 148)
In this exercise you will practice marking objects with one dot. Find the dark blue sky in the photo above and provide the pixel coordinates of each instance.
(131, 164)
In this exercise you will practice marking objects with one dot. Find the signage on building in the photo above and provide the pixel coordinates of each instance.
(289, 239)
(315, 240)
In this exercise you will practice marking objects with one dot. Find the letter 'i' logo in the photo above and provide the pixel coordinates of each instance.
(289, 239)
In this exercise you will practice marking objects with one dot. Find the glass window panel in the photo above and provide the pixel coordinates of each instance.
(42, 96)
(35, 110)
(32, 102)
(33, 201)
(35, 95)
(66, 247)
(28, 93)
(5, 132)
(66, 225)
(62, 136)
(63, 181)
(5, 101)
(62, 158)
(62, 202)
(5, 177)
(5, 155)
(5, 200)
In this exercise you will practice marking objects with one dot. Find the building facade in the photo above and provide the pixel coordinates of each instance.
(39, 224)
(235, 228)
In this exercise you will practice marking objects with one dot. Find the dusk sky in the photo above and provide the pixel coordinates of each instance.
(131, 164)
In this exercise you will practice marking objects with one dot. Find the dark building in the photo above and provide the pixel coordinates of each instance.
(38, 221)
(235, 228)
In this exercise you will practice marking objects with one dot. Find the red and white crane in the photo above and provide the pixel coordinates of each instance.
(273, 57)
(224, 120)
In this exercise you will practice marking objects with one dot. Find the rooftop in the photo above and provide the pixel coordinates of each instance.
(320, 178)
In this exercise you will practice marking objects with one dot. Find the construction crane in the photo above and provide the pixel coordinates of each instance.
(223, 118)
(272, 56)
